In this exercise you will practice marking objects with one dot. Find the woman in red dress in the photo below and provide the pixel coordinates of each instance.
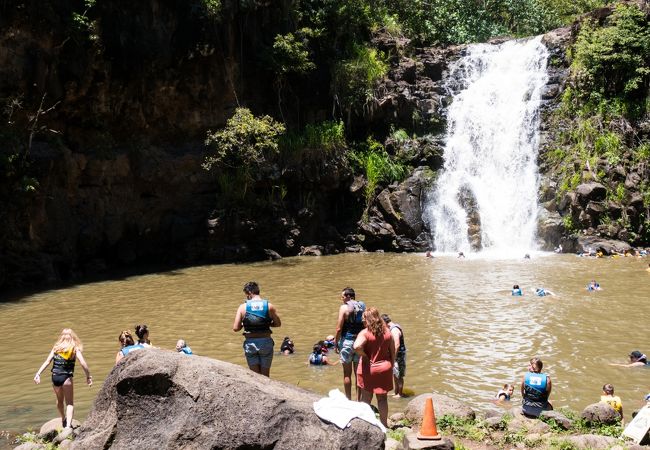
(375, 346)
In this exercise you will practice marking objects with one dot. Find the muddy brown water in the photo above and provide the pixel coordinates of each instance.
(466, 335)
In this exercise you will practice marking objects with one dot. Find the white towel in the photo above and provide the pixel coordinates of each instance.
(338, 410)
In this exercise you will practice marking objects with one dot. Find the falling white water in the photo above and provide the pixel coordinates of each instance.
(491, 149)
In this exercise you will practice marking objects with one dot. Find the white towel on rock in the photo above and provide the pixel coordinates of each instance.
(337, 409)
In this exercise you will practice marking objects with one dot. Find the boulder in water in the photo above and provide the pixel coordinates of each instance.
(163, 399)
(600, 413)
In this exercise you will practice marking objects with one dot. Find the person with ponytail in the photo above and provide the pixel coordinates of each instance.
(376, 349)
(66, 351)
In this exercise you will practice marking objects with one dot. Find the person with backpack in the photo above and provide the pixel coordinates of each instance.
(348, 326)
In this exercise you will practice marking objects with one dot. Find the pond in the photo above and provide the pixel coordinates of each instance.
(466, 335)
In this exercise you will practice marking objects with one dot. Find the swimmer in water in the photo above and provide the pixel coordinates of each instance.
(593, 286)
(461, 254)
(516, 291)
(541, 292)
(505, 394)
(637, 359)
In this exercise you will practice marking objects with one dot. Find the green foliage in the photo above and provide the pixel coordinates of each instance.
(326, 136)
(569, 226)
(212, 7)
(398, 434)
(377, 167)
(245, 141)
(400, 135)
(355, 78)
(613, 60)
(464, 428)
(290, 53)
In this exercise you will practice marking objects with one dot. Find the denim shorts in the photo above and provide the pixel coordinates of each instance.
(399, 369)
(346, 352)
(259, 351)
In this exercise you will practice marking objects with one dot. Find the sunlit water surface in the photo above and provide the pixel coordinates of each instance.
(466, 335)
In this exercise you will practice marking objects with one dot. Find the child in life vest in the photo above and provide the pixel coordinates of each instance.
(612, 400)
(317, 358)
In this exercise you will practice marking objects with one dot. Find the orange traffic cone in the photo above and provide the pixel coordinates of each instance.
(429, 430)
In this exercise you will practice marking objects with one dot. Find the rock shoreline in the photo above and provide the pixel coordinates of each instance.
(162, 399)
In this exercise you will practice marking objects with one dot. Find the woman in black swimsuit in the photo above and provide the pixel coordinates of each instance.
(65, 352)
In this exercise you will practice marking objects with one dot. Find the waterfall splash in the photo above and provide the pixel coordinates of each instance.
(485, 198)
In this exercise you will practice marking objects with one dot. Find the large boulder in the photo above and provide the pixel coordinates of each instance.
(163, 399)
(600, 413)
(442, 406)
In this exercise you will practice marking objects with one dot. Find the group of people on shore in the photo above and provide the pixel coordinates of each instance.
(370, 346)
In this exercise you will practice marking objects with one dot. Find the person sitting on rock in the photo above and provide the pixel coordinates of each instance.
(637, 359)
(182, 347)
(535, 390)
(287, 346)
(505, 393)
(128, 345)
(516, 291)
(612, 400)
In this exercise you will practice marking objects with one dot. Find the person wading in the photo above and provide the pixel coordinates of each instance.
(348, 326)
(256, 316)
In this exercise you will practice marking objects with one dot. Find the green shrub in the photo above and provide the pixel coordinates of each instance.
(326, 136)
(613, 60)
(377, 167)
(290, 54)
(355, 78)
(246, 140)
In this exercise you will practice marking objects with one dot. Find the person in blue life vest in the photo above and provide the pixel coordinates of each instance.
(535, 389)
(128, 345)
(399, 368)
(317, 358)
(256, 316)
(505, 393)
(348, 326)
(182, 347)
(541, 292)
(516, 291)
(593, 286)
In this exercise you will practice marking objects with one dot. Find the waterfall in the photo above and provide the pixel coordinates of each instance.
(485, 197)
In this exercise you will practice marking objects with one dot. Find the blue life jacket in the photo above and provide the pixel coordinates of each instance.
(535, 398)
(129, 348)
(354, 323)
(257, 318)
(186, 350)
(517, 292)
(316, 359)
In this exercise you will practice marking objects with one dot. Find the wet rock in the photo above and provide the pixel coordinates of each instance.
(591, 192)
(161, 399)
(560, 419)
(600, 413)
(582, 244)
(272, 254)
(442, 406)
(312, 250)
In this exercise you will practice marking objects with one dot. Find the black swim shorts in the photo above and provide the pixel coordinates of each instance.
(59, 379)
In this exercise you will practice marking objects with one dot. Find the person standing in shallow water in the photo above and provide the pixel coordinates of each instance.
(66, 351)
(256, 316)
(399, 368)
(348, 326)
(535, 390)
